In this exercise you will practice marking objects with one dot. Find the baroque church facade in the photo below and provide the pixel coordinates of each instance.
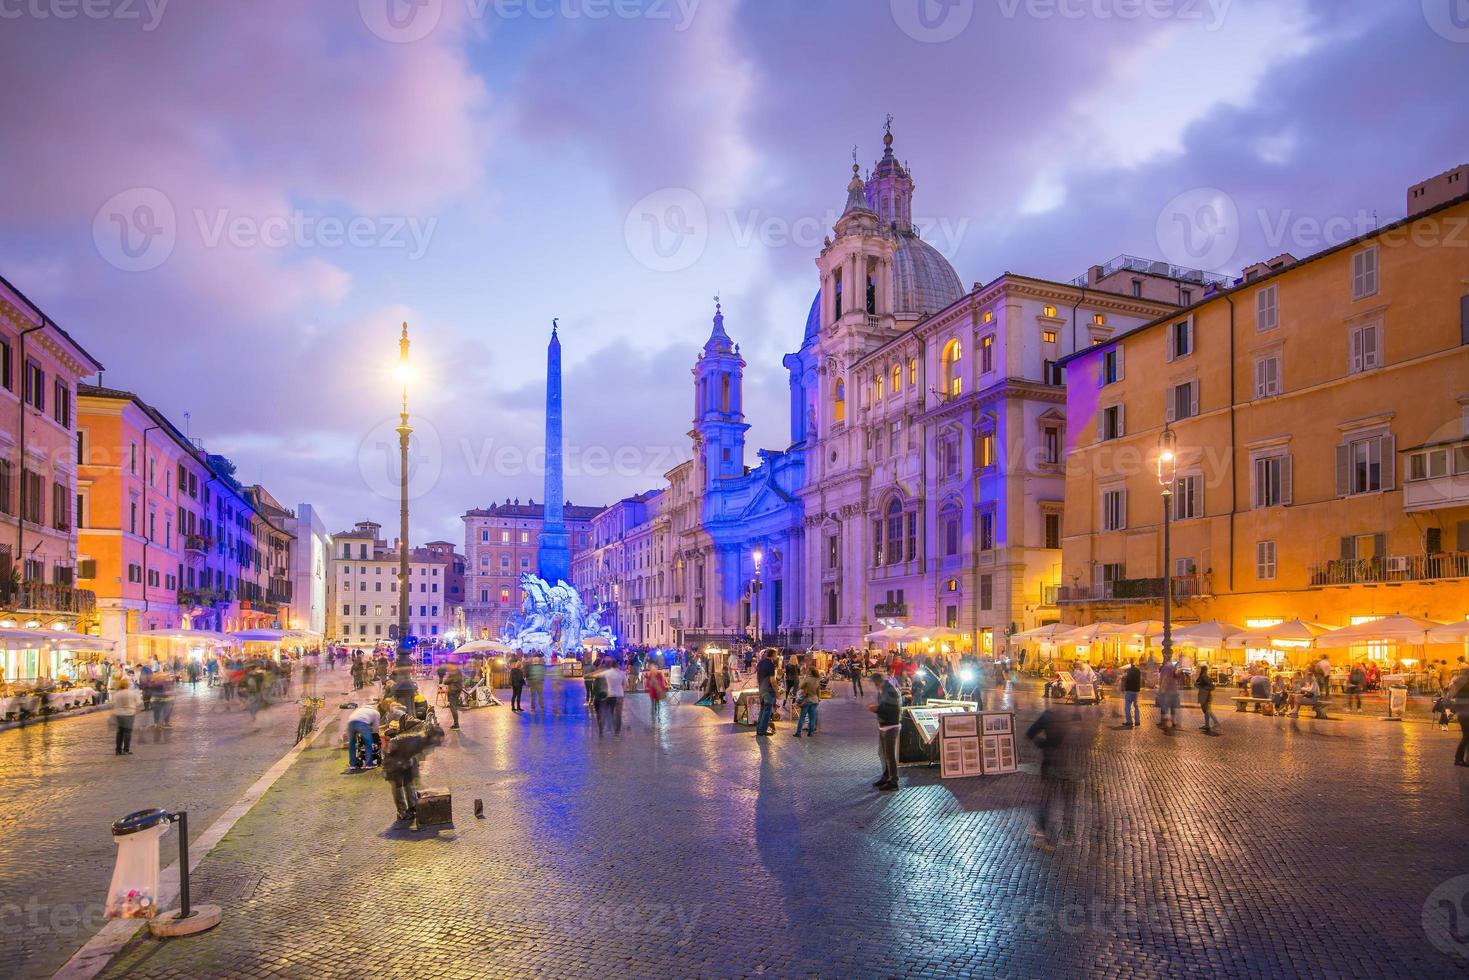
(924, 480)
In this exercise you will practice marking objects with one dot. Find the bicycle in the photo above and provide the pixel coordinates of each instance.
(307, 721)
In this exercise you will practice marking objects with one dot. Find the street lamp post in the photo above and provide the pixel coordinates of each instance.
(1167, 470)
(403, 687)
(755, 599)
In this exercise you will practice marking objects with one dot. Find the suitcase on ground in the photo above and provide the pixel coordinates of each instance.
(435, 809)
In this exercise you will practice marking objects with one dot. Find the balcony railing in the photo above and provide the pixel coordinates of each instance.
(1390, 568)
(1132, 590)
(196, 542)
(203, 597)
(38, 597)
(890, 610)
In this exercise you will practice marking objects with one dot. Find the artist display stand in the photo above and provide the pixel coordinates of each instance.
(977, 744)
(746, 706)
(918, 739)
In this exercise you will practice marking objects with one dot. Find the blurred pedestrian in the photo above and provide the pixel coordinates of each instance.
(1204, 684)
(854, 671)
(126, 703)
(889, 711)
(1458, 696)
(401, 762)
(454, 687)
(363, 726)
(808, 697)
(1168, 695)
(535, 679)
(609, 705)
(1056, 734)
(765, 680)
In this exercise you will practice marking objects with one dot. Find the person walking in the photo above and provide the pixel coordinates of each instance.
(517, 684)
(854, 671)
(765, 680)
(126, 703)
(535, 679)
(1168, 695)
(454, 687)
(1205, 687)
(656, 684)
(1132, 685)
(1458, 696)
(609, 706)
(1054, 733)
(808, 697)
(889, 711)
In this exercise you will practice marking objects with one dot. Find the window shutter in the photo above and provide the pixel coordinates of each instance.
(1121, 415)
(1122, 511)
(1199, 496)
(1285, 479)
(1348, 548)
(1464, 319)
(1171, 334)
(1463, 536)
(1343, 470)
(1379, 545)
(1193, 397)
(1354, 355)
(1119, 362)
(1389, 461)
(1260, 378)
(1170, 398)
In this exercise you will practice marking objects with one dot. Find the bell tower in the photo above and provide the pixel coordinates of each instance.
(719, 409)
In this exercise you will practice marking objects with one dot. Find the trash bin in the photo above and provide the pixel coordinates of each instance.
(133, 893)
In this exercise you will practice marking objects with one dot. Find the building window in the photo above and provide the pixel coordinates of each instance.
(1048, 310)
(913, 371)
(61, 409)
(1364, 273)
(1111, 427)
(894, 532)
(881, 382)
(839, 401)
(987, 353)
(1267, 307)
(1265, 560)
(831, 607)
(953, 379)
(948, 450)
(1188, 497)
(1114, 510)
(1272, 476)
(951, 617)
(833, 553)
(1048, 336)
(1053, 530)
(1359, 465)
(987, 531)
(1098, 319)
(985, 450)
(1051, 445)
(1366, 348)
(1181, 338)
(951, 532)
(7, 366)
(1267, 376)
(1112, 366)
(1432, 463)
(1183, 401)
(986, 592)
(897, 378)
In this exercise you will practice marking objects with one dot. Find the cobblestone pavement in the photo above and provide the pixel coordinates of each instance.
(63, 787)
(691, 848)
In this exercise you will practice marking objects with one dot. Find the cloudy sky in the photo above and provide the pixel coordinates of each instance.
(234, 205)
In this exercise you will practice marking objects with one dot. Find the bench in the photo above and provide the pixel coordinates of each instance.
(1319, 707)
(1262, 705)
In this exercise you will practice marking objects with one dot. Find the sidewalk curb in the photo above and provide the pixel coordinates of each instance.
(90, 709)
(97, 952)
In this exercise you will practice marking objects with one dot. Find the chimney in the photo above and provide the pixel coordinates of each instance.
(1429, 194)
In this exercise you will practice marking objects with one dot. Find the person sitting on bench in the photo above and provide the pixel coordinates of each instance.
(1260, 687)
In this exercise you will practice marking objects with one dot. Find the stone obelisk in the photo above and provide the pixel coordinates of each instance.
(553, 557)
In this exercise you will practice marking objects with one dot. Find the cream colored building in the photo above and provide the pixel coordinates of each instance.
(364, 590)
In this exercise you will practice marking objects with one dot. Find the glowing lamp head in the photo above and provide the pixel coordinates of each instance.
(759, 556)
(403, 373)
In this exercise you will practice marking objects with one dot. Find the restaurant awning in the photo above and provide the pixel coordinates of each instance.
(18, 639)
(259, 636)
(1292, 633)
(1096, 632)
(188, 636)
(1389, 629)
(485, 646)
(1451, 633)
(1050, 633)
(1143, 632)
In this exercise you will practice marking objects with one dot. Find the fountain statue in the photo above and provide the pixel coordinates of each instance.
(552, 619)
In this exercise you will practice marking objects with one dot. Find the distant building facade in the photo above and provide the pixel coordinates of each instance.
(500, 543)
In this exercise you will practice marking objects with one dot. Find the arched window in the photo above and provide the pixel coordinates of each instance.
(953, 379)
(897, 378)
(839, 407)
(894, 531)
(881, 382)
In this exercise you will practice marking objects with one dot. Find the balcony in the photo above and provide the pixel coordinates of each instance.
(38, 597)
(1437, 492)
(1132, 590)
(203, 597)
(197, 543)
(1389, 569)
(890, 610)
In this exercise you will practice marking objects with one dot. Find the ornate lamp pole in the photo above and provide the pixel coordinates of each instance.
(1167, 470)
(403, 687)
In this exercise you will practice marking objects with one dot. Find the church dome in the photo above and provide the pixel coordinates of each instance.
(924, 281)
(813, 321)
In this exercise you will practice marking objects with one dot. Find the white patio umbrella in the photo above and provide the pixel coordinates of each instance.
(1411, 630)
(188, 636)
(1143, 632)
(597, 642)
(1212, 634)
(484, 646)
(259, 636)
(1294, 632)
(1050, 633)
(1087, 635)
(1452, 633)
